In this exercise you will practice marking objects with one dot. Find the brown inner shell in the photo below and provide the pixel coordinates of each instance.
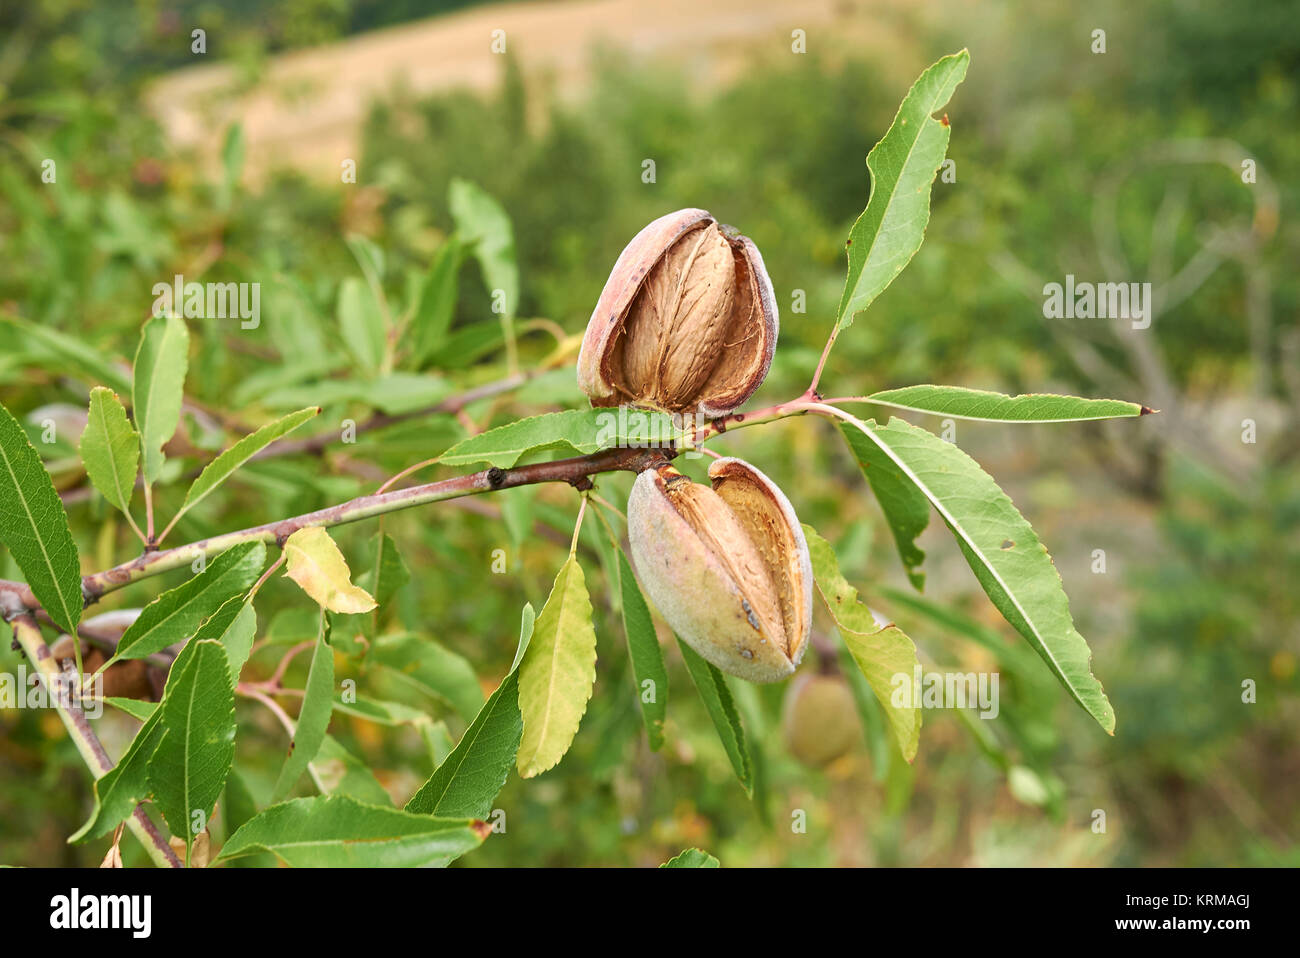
(694, 329)
(769, 531)
(744, 349)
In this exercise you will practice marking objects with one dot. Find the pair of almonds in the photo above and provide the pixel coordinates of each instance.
(687, 323)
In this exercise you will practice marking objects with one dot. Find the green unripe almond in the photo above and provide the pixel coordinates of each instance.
(727, 567)
(819, 720)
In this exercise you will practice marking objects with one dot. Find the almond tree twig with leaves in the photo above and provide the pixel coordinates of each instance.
(530, 720)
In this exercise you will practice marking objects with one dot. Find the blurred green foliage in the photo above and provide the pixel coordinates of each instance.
(1207, 557)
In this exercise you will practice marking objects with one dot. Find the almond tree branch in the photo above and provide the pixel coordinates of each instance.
(20, 606)
(28, 636)
(575, 471)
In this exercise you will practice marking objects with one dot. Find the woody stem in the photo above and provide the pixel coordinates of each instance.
(28, 635)
(575, 471)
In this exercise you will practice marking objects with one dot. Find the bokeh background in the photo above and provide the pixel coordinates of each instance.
(1122, 165)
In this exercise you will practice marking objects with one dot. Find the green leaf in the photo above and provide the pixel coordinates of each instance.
(220, 469)
(178, 613)
(438, 741)
(517, 512)
(132, 707)
(484, 226)
(126, 784)
(469, 779)
(957, 402)
(313, 719)
(692, 858)
(158, 387)
(340, 832)
(555, 388)
(880, 653)
(433, 314)
(527, 623)
(905, 507)
(388, 572)
(234, 625)
(34, 527)
(902, 166)
(70, 352)
(467, 345)
(749, 708)
(1009, 561)
(1012, 657)
(647, 657)
(197, 718)
(574, 431)
(314, 561)
(232, 163)
(842, 600)
(433, 668)
(558, 673)
(237, 805)
(342, 773)
(361, 322)
(385, 713)
(386, 575)
(369, 257)
(398, 392)
(284, 376)
(110, 448)
(394, 393)
(722, 710)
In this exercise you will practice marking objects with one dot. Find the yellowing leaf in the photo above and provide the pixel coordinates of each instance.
(317, 565)
(557, 673)
(881, 653)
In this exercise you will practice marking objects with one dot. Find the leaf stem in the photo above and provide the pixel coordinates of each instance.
(148, 515)
(512, 347)
(167, 528)
(609, 529)
(265, 575)
(286, 722)
(577, 526)
(135, 527)
(826, 351)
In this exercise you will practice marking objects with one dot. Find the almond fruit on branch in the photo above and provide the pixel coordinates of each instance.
(727, 566)
(687, 322)
(819, 721)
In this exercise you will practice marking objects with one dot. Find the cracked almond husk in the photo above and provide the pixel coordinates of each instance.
(687, 322)
(727, 566)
